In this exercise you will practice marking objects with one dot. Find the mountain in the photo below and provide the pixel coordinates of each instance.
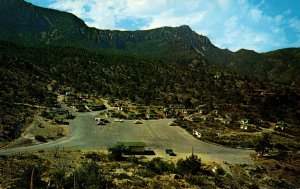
(26, 24)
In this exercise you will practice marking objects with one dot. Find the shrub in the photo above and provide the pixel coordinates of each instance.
(116, 152)
(88, 176)
(220, 171)
(94, 156)
(195, 180)
(40, 138)
(191, 165)
(159, 166)
(263, 144)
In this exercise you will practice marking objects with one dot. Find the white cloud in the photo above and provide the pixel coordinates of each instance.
(228, 23)
(74, 6)
(256, 14)
(295, 23)
(224, 4)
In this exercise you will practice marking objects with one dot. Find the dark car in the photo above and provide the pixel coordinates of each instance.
(104, 120)
(170, 152)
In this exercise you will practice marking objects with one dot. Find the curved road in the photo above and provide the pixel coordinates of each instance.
(86, 135)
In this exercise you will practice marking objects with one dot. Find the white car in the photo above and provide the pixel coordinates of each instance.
(173, 124)
(118, 120)
(101, 123)
(137, 122)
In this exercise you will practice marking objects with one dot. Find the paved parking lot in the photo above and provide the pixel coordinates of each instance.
(155, 133)
(85, 134)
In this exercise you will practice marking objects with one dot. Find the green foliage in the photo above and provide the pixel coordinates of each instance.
(89, 176)
(220, 171)
(40, 138)
(140, 79)
(282, 150)
(263, 144)
(158, 166)
(190, 165)
(59, 178)
(94, 156)
(195, 179)
(32, 173)
(116, 152)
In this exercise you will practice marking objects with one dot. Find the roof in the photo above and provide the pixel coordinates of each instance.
(132, 144)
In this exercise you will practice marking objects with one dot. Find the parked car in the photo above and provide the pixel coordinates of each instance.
(101, 123)
(118, 120)
(170, 152)
(101, 119)
(137, 122)
(104, 120)
(173, 124)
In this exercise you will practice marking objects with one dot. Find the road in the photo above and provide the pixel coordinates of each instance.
(157, 134)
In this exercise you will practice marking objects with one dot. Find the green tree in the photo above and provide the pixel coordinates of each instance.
(263, 144)
(191, 165)
(116, 152)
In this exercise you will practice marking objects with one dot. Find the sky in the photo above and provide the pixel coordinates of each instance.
(260, 25)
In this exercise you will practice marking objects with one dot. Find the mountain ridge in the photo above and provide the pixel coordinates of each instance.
(30, 25)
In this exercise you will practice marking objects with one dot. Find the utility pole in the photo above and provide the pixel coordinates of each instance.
(31, 179)
(74, 182)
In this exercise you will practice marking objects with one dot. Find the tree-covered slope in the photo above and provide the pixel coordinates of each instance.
(26, 24)
(27, 71)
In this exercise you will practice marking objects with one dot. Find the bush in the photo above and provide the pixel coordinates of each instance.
(94, 156)
(40, 138)
(159, 166)
(191, 165)
(116, 152)
(90, 176)
(263, 144)
(195, 180)
(220, 171)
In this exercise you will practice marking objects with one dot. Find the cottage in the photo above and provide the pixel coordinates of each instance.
(69, 94)
(184, 111)
(177, 106)
(197, 133)
(95, 107)
(215, 112)
(194, 118)
(228, 115)
(122, 108)
(280, 125)
(244, 127)
(217, 76)
(150, 116)
(222, 120)
(244, 121)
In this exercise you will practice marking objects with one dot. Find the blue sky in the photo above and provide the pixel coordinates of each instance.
(260, 25)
